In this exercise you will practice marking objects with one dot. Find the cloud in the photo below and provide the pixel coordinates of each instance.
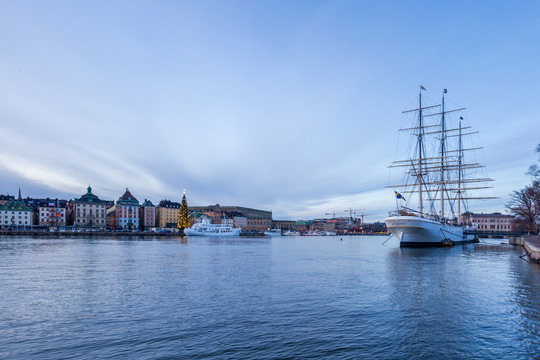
(289, 107)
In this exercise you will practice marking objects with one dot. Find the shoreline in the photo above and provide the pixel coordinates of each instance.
(88, 233)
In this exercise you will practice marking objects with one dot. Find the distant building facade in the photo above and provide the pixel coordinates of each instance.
(52, 213)
(301, 225)
(322, 225)
(110, 218)
(167, 213)
(283, 224)
(127, 211)
(255, 219)
(240, 221)
(147, 215)
(89, 210)
(15, 213)
(495, 222)
(258, 224)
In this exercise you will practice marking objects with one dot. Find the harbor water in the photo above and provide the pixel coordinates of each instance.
(264, 298)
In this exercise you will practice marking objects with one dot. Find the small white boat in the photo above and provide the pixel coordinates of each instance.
(291, 233)
(203, 227)
(273, 232)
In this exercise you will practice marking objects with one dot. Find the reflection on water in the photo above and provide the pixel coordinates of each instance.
(472, 295)
(264, 298)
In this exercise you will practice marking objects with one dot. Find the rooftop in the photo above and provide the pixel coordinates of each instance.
(127, 199)
(89, 198)
(15, 205)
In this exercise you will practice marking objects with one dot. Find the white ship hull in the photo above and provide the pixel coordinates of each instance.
(203, 227)
(417, 231)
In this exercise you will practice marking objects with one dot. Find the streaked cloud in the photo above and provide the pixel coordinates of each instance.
(292, 107)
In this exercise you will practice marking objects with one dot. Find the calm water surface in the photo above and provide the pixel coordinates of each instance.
(267, 298)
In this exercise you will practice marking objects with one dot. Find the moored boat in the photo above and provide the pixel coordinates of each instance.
(203, 227)
(440, 174)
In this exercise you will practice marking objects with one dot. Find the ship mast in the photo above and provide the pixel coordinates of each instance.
(420, 132)
(460, 155)
(442, 161)
(443, 135)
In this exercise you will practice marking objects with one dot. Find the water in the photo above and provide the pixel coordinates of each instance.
(267, 298)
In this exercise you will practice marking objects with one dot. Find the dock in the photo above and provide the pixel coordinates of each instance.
(531, 244)
(64, 234)
(532, 247)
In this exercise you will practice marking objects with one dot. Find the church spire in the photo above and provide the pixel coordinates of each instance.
(20, 197)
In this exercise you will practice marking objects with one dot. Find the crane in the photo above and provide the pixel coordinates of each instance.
(362, 215)
(353, 212)
(333, 213)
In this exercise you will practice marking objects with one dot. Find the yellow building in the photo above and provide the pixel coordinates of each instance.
(167, 213)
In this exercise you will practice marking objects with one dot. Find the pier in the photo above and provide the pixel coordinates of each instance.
(531, 244)
(63, 234)
(532, 247)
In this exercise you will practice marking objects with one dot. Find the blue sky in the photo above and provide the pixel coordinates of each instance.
(286, 106)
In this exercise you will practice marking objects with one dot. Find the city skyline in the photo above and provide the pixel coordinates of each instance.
(288, 107)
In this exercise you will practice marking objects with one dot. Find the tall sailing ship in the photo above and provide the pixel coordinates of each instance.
(440, 174)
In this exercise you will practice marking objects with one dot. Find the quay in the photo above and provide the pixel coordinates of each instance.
(532, 247)
(87, 233)
(531, 244)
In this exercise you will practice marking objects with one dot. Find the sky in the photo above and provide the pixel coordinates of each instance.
(288, 106)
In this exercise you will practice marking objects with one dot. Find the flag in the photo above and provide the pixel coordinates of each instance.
(399, 196)
(422, 88)
(445, 91)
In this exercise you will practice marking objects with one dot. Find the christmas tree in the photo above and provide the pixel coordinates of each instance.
(183, 218)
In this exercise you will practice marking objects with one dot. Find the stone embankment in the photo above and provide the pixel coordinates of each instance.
(88, 233)
(531, 244)
(497, 247)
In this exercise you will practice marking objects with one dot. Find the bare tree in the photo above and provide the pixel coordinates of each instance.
(525, 203)
(534, 169)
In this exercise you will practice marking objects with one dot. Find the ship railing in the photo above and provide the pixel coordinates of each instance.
(404, 212)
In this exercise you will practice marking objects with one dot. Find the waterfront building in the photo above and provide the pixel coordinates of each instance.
(240, 221)
(322, 225)
(147, 215)
(167, 213)
(283, 224)
(301, 225)
(258, 224)
(52, 213)
(127, 211)
(255, 219)
(15, 213)
(110, 218)
(495, 222)
(89, 210)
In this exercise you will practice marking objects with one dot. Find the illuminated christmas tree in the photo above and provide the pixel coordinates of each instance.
(183, 217)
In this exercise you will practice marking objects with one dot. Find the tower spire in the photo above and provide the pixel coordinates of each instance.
(20, 197)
